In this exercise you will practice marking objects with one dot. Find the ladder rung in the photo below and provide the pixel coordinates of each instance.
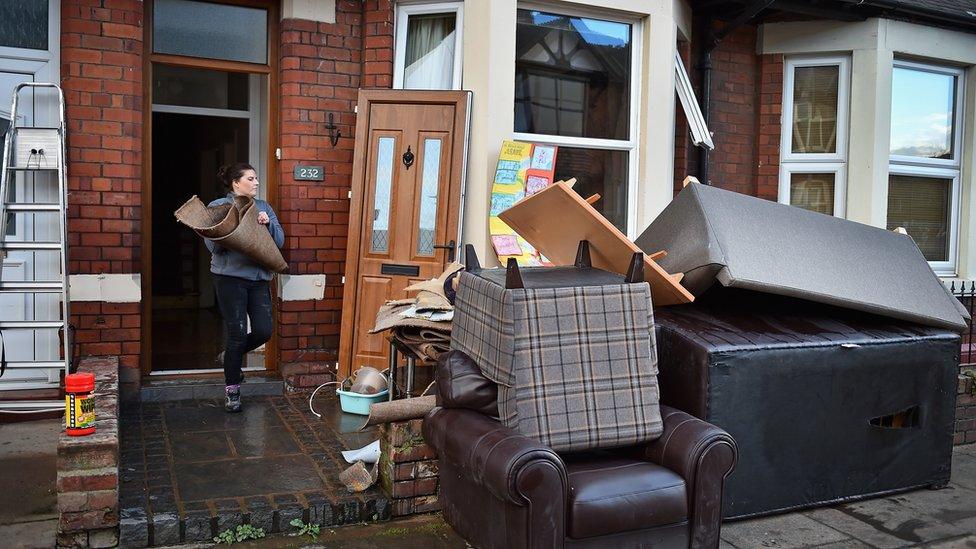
(34, 169)
(33, 207)
(30, 324)
(36, 364)
(30, 245)
(30, 287)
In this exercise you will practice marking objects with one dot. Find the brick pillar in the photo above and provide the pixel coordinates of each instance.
(408, 468)
(321, 66)
(378, 43)
(101, 73)
(768, 139)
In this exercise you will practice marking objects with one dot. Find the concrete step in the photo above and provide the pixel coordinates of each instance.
(166, 390)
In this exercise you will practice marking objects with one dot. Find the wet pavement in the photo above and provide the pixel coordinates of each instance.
(28, 476)
(190, 471)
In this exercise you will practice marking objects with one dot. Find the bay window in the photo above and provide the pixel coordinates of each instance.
(813, 149)
(924, 166)
(575, 87)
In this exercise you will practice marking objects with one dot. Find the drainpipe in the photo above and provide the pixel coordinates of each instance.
(705, 65)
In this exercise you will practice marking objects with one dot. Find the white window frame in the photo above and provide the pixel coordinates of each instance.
(404, 11)
(700, 135)
(786, 170)
(940, 168)
(835, 162)
(630, 145)
(941, 268)
(957, 122)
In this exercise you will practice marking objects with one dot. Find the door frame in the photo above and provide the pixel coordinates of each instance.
(270, 69)
(368, 97)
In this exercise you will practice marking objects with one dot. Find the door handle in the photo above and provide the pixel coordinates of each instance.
(451, 248)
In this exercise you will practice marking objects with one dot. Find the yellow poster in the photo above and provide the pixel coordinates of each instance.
(523, 169)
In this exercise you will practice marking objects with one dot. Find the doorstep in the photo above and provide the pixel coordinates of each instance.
(209, 387)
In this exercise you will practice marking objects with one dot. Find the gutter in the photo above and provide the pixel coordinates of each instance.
(919, 13)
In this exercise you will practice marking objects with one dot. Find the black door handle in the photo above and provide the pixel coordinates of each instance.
(451, 248)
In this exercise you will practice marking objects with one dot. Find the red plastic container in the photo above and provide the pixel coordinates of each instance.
(79, 404)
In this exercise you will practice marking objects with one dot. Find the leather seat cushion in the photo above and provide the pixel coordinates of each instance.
(610, 494)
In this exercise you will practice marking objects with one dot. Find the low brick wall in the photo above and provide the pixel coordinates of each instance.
(306, 376)
(88, 468)
(966, 406)
(408, 468)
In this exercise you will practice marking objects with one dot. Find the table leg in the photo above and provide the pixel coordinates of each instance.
(393, 369)
(411, 362)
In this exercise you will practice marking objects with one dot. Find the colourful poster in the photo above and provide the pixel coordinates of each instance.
(523, 169)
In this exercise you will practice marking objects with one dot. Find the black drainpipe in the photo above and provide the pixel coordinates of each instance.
(705, 65)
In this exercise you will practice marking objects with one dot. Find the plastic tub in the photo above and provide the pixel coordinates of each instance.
(355, 403)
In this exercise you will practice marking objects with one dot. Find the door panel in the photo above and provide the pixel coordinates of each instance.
(406, 201)
(35, 108)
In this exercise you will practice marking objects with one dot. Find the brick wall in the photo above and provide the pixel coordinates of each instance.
(88, 468)
(101, 73)
(734, 112)
(768, 137)
(323, 65)
(378, 43)
(682, 141)
(966, 392)
(408, 468)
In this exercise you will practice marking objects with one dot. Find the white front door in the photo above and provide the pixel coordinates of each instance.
(24, 64)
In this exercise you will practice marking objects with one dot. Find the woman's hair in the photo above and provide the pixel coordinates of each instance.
(230, 173)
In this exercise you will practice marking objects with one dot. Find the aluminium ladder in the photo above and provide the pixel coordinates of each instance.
(35, 150)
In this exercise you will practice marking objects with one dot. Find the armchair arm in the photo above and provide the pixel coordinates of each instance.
(516, 469)
(704, 455)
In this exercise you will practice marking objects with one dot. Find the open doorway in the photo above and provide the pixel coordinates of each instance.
(187, 151)
(201, 119)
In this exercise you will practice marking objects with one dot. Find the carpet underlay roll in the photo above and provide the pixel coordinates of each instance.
(235, 226)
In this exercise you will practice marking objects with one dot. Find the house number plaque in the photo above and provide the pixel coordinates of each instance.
(309, 173)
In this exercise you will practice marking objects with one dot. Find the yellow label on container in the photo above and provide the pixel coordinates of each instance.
(79, 412)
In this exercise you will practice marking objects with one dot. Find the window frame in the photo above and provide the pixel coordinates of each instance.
(939, 168)
(839, 170)
(957, 122)
(630, 145)
(948, 267)
(835, 162)
(403, 13)
(843, 107)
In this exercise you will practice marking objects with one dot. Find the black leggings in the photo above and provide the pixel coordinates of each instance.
(239, 299)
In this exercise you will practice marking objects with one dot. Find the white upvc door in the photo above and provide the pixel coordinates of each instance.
(38, 108)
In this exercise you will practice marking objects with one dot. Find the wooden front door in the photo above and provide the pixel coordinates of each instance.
(405, 209)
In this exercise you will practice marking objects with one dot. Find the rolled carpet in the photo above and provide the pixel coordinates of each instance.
(234, 226)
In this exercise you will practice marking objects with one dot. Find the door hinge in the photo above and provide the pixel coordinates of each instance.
(343, 280)
(355, 109)
(349, 194)
(278, 153)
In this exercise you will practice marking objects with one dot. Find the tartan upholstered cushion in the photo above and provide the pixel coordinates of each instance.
(576, 366)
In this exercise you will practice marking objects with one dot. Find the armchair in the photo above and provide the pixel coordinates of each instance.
(501, 489)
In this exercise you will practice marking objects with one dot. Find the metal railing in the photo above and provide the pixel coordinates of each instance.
(965, 292)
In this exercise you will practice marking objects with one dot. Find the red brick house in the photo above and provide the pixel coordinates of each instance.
(858, 109)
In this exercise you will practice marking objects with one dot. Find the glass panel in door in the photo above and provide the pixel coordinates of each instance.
(380, 232)
(427, 224)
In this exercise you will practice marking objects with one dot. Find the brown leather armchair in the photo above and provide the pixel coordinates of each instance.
(499, 489)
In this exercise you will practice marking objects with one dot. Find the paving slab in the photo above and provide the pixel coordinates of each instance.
(191, 470)
(964, 468)
(781, 532)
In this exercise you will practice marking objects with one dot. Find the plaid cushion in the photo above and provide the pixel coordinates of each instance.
(576, 366)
